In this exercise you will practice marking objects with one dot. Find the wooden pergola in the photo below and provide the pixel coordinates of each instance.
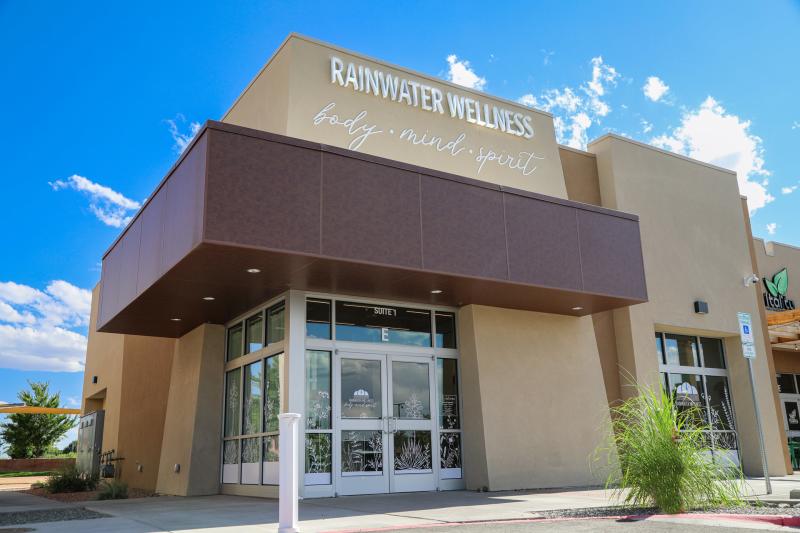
(16, 408)
(784, 329)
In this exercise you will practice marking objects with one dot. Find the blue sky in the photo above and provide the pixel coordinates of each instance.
(99, 98)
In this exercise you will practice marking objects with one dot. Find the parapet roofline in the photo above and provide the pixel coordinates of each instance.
(769, 245)
(364, 57)
(576, 150)
(615, 136)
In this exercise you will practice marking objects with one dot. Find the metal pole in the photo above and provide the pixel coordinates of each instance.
(758, 426)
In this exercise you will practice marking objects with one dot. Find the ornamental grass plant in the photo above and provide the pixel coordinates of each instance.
(664, 456)
(113, 489)
(70, 480)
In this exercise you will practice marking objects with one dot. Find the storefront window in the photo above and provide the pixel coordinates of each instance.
(253, 397)
(712, 353)
(786, 384)
(687, 390)
(251, 419)
(660, 348)
(272, 393)
(411, 390)
(232, 385)
(362, 452)
(705, 391)
(230, 461)
(254, 333)
(318, 459)
(276, 316)
(792, 416)
(361, 394)
(447, 377)
(720, 405)
(318, 319)
(250, 461)
(234, 342)
(412, 452)
(449, 420)
(450, 455)
(445, 330)
(270, 457)
(318, 389)
(379, 323)
(681, 350)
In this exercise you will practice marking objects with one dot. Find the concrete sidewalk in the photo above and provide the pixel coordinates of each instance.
(232, 513)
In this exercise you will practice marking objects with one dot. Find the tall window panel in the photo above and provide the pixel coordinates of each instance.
(450, 454)
(232, 399)
(318, 453)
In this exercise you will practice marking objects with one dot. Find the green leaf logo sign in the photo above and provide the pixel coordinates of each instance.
(775, 296)
(779, 284)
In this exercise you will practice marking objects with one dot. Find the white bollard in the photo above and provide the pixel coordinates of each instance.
(287, 478)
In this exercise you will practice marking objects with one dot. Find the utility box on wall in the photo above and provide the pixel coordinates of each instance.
(90, 443)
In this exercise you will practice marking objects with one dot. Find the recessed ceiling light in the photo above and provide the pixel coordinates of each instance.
(436, 291)
(253, 270)
(208, 298)
(175, 319)
(577, 308)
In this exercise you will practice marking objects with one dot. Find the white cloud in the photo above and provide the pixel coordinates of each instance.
(36, 326)
(576, 110)
(109, 206)
(528, 100)
(711, 134)
(788, 190)
(795, 124)
(655, 88)
(461, 73)
(646, 126)
(182, 139)
(771, 227)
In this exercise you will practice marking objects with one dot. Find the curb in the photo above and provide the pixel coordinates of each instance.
(777, 520)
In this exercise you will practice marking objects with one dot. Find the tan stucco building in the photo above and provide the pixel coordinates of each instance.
(448, 297)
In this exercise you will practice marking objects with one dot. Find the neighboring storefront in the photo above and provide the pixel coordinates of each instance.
(448, 297)
(779, 266)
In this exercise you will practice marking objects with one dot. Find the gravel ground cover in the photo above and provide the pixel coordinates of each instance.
(70, 497)
(753, 508)
(48, 515)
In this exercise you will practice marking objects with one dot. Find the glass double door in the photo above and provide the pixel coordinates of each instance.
(384, 439)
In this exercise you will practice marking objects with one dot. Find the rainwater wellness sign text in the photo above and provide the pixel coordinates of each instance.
(376, 83)
(417, 94)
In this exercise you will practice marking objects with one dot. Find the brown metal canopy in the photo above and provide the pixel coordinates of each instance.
(314, 217)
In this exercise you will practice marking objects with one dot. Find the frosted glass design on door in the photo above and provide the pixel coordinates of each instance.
(318, 459)
(411, 391)
(361, 388)
(412, 452)
(362, 452)
(450, 456)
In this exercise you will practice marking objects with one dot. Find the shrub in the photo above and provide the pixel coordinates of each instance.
(70, 480)
(664, 458)
(113, 490)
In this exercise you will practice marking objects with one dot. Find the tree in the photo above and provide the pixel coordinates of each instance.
(27, 435)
